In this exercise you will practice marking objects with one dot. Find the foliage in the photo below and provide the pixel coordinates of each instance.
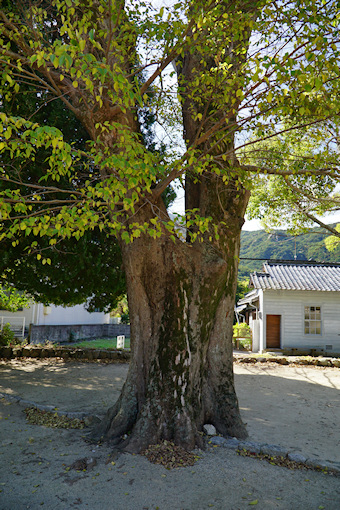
(280, 245)
(88, 270)
(286, 197)
(6, 335)
(125, 317)
(242, 289)
(242, 336)
(121, 308)
(11, 299)
(287, 80)
(67, 274)
(241, 330)
(332, 242)
(244, 344)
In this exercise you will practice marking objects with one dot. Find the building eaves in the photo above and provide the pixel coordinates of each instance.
(297, 275)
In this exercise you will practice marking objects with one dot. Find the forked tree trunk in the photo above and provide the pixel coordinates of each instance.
(181, 295)
(181, 302)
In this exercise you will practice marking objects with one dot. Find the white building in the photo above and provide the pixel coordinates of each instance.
(294, 305)
(40, 315)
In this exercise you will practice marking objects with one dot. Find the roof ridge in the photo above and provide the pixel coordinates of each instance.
(301, 262)
(312, 276)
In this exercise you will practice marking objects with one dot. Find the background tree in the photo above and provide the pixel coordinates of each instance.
(287, 197)
(11, 299)
(241, 68)
(332, 242)
(70, 273)
(71, 267)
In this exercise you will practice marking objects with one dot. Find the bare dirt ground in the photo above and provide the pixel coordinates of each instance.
(295, 407)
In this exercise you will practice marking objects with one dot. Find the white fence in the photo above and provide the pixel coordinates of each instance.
(17, 325)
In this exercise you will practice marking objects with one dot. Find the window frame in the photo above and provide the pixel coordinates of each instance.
(312, 321)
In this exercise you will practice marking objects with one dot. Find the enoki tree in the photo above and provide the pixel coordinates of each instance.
(218, 77)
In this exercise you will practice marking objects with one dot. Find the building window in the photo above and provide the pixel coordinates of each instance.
(312, 320)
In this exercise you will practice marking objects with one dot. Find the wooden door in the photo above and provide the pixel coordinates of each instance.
(273, 335)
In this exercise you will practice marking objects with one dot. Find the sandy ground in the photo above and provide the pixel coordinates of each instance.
(295, 407)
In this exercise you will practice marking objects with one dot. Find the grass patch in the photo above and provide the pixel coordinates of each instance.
(101, 343)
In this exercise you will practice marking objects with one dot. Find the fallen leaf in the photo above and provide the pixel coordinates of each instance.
(255, 502)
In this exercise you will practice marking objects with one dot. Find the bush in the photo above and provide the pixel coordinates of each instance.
(241, 330)
(6, 335)
(125, 318)
(244, 344)
(242, 333)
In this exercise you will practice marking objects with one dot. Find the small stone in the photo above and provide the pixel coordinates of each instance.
(26, 352)
(218, 441)
(250, 446)
(209, 429)
(324, 362)
(297, 457)
(273, 450)
(231, 443)
(322, 464)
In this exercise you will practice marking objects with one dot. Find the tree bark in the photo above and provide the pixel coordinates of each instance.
(181, 303)
(181, 295)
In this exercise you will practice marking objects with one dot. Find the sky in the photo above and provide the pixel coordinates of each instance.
(249, 225)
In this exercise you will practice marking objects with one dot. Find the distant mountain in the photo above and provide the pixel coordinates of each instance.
(282, 246)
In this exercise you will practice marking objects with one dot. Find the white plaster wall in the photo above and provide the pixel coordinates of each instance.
(28, 313)
(262, 311)
(290, 305)
(60, 315)
(256, 335)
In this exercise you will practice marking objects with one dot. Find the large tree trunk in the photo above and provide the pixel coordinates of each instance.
(181, 302)
(181, 295)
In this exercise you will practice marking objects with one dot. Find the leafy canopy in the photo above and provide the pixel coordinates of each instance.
(267, 69)
(11, 299)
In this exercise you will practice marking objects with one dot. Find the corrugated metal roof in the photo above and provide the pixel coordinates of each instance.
(296, 275)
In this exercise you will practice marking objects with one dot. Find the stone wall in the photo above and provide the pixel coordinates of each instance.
(66, 353)
(75, 332)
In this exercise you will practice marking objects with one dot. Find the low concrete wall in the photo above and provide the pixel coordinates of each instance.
(74, 332)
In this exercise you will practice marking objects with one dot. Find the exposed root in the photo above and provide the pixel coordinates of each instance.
(120, 418)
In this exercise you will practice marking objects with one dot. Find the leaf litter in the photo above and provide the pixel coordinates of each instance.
(169, 455)
(35, 416)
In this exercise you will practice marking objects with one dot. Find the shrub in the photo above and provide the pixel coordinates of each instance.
(241, 330)
(71, 336)
(6, 335)
(244, 344)
(125, 318)
(242, 333)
